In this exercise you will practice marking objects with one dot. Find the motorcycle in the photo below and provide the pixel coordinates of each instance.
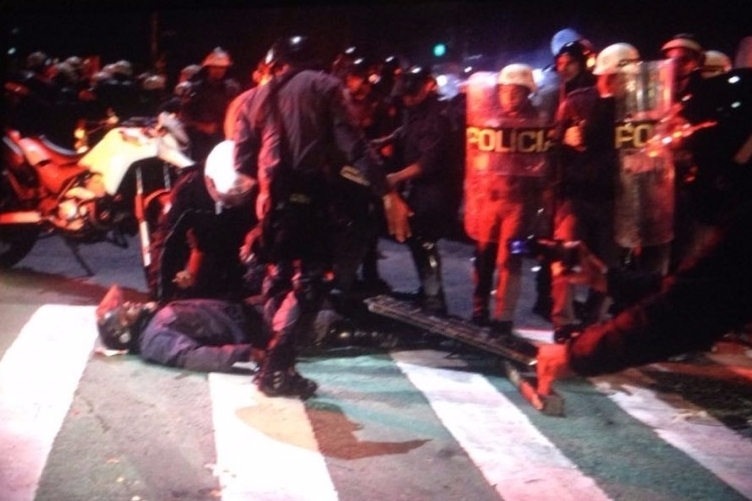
(115, 189)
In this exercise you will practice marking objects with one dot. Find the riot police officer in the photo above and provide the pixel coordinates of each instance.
(293, 135)
(573, 62)
(589, 163)
(707, 297)
(503, 187)
(203, 111)
(425, 162)
(196, 248)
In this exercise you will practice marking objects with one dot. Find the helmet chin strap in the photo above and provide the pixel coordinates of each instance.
(744, 153)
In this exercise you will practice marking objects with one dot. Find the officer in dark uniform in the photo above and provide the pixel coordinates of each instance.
(573, 66)
(372, 115)
(196, 247)
(425, 162)
(293, 135)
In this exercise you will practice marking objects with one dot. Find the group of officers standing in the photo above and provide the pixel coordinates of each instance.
(319, 164)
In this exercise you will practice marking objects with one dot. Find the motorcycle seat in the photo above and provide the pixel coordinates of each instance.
(59, 154)
(41, 151)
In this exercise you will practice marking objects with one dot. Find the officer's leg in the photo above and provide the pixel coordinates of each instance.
(427, 261)
(484, 266)
(562, 291)
(293, 319)
(509, 279)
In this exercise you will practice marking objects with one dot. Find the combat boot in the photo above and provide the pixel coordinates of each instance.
(287, 383)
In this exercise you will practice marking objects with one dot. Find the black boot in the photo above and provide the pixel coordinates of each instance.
(286, 383)
(427, 261)
(543, 301)
(484, 265)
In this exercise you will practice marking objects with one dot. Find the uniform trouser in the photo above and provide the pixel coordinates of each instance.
(484, 267)
(489, 257)
(293, 294)
(592, 223)
(427, 260)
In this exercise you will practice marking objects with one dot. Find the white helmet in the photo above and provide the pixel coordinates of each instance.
(226, 185)
(153, 82)
(616, 58)
(683, 41)
(517, 74)
(217, 57)
(716, 62)
(123, 68)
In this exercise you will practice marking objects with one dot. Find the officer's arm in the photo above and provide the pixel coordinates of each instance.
(246, 141)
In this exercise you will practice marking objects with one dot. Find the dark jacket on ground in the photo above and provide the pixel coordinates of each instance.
(202, 335)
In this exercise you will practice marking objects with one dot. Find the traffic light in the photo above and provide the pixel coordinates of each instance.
(439, 49)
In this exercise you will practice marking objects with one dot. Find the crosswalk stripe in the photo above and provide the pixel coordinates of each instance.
(707, 441)
(510, 452)
(260, 442)
(266, 448)
(38, 377)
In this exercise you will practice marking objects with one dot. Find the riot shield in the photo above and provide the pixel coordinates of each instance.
(496, 147)
(645, 195)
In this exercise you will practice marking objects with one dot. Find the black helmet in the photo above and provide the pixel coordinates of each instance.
(411, 80)
(295, 50)
(344, 59)
(579, 50)
(119, 322)
(361, 67)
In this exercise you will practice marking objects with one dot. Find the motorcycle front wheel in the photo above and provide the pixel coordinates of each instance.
(16, 242)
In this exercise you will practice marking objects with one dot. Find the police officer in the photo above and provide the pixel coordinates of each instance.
(688, 57)
(573, 63)
(30, 96)
(212, 89)
(118, 94)
(687, 54)
(589, 164)
(293, 135)
(708, 297)
(503, 198)
(372, 114)
(425, 164)
(196, 247)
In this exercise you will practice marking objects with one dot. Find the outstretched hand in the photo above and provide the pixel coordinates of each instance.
(552, 364)
(397, 215)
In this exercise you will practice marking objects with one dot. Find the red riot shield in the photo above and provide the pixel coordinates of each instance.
(496, 147)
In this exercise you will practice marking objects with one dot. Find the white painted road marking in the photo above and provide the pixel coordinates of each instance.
(260, 441)
(713, 445)
(38, 377)
(505, 446)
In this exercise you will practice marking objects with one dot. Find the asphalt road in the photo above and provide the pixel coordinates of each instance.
(414, 423)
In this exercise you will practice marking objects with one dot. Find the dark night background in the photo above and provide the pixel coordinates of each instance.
(501, 31)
